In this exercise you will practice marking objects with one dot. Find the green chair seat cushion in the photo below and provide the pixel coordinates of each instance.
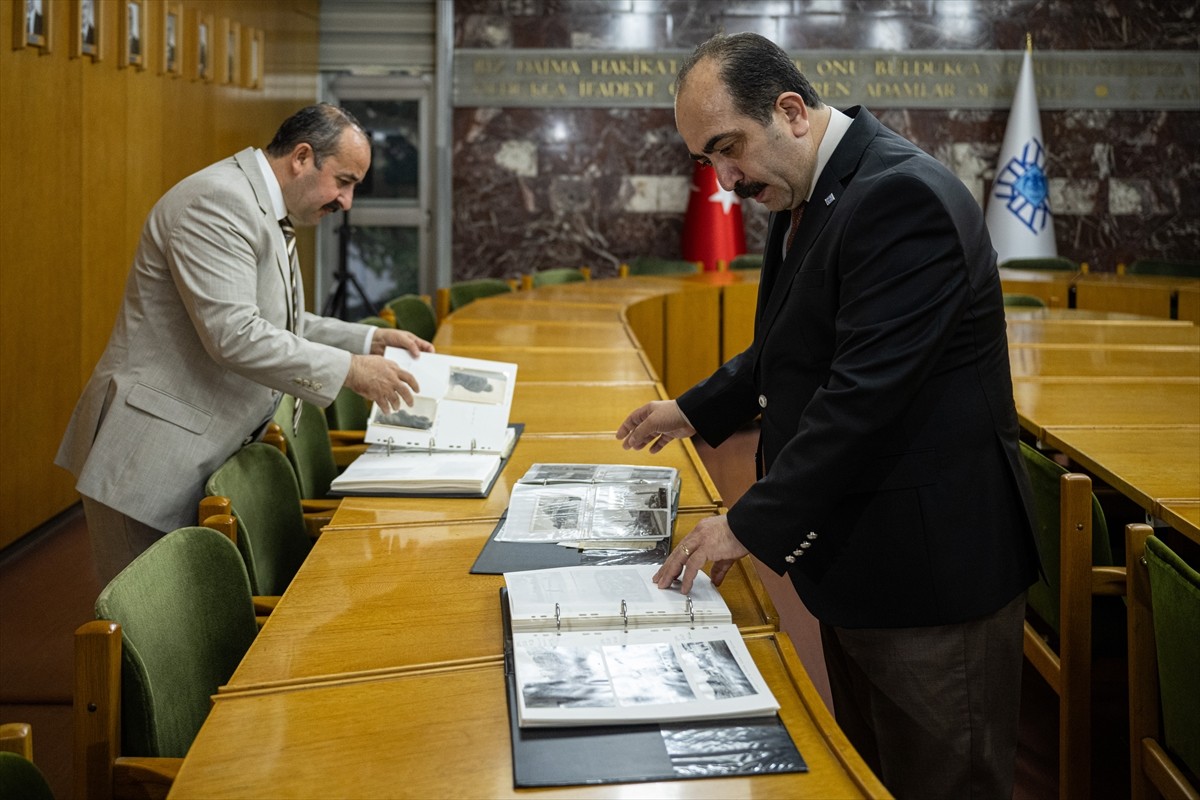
(549, 277)
(415, 315)
(186, 616)
(652, 265)
(465, 292)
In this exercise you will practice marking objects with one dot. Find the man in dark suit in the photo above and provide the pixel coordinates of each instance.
(891, 488)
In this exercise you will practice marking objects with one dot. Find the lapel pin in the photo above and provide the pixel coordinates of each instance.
(829, 200)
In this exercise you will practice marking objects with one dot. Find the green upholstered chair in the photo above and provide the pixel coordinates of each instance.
(348, 412)
(309, 450)
(19, 776)
(1049, 262)
(1174, 269)
(746, 261)
(465, 292)
(1024, 300)
(262, 494)
(170, 628)
(377, 321)
(550, 277)
(414, 313)
(1164, 668)
(1077, 562)
(652, 265)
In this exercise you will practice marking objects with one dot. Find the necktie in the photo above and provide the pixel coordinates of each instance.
(797, 214)
(289, 239)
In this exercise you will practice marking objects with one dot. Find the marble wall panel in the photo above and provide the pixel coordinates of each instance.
(535, 188)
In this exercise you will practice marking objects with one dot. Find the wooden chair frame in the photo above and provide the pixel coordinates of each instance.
(100, 771)
(1152, 771)
(1069, 671)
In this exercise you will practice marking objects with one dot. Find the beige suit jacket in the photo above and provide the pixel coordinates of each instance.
(200, 350)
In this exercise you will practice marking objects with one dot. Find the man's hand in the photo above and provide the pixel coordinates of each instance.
(711, 540)
(392, 337)
(660, 421)
(382, 381)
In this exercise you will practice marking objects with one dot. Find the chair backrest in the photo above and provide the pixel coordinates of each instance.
(1045, 475)
(465, 292)
(1029, 300)
(652, 265)
(186, 619)
(378, 322)
(549, 277)
(348, 411)
(308, 449)
(746, 261)
(1175, 602)
(1176, 269)
(265, 498)
(414, 314)
(1049, 262)
(20, 778)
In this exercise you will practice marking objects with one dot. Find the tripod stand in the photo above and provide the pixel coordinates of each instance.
(335, 304)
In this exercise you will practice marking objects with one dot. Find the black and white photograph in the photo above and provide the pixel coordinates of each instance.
(132, 34)
(172, 35)
(32, 24)
(420, 416)
(714, 670)
(563, 677)
(204, 48)
(647, 674)
(87, 31)
(476, 386)
(233, 50)
(560, 473)
(558, 513)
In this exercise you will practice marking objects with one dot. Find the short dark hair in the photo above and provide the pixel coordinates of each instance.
(754, 69)
(320, 126)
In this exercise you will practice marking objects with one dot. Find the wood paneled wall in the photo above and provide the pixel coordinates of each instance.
(86, 148)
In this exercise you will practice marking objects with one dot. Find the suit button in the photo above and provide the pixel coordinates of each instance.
(790, 559)
(762, 401)
(812, 535)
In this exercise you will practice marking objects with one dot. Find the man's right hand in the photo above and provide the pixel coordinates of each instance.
(381, 381)
(659, 422)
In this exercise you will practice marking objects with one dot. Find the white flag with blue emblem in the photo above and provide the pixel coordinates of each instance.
(1018, 206)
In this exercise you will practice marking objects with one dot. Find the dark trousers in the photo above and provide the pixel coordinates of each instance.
(933, 710)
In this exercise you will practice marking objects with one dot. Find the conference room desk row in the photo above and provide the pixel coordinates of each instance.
(380, 672)
(1145, 295)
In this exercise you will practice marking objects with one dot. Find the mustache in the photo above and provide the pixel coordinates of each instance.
(332, 206)
(748, 190)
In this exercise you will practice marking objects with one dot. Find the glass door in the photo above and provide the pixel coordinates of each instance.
(380, 249)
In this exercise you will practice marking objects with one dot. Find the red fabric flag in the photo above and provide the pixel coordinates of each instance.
(712, 229)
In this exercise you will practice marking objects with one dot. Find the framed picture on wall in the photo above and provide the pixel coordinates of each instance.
(85, 24)
(253, 55)
(133, 34)
(204, 47)
(31, 24)
(172, 37)
(231, 35)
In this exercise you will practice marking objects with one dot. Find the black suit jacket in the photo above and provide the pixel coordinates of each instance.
(891, 486)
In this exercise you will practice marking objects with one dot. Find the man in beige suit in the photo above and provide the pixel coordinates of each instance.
(212, 333)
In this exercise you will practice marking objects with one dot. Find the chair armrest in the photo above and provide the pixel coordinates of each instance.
(1109, 581)
(144, 777)
(340, 437)
(314, 521)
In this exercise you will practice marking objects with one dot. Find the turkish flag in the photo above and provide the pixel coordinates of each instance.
(712, 229)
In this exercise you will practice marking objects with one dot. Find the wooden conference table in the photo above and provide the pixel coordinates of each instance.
(380, 672)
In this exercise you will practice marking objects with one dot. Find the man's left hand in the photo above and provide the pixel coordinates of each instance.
(711, 540)
(392, 337)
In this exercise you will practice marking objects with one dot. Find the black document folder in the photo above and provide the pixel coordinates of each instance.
(571, 756)
(496, 558)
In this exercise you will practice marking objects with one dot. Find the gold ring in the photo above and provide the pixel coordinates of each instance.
(686, 552)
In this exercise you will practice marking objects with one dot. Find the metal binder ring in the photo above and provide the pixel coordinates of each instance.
(691, 612)
(557, 618)
(625, 614)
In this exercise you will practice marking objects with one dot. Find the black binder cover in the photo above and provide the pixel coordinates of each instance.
(599, 754)
(519, 427)
(496, 558)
